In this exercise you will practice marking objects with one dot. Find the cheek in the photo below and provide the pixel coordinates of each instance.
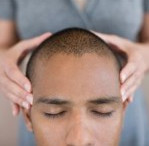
(108, 131)
(47, 132)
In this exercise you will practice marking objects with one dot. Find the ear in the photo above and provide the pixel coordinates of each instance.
(27, 117)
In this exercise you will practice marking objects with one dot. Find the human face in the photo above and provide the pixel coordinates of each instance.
(77, 102)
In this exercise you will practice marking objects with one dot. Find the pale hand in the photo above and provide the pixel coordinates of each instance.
(134, 71)
(13, 84)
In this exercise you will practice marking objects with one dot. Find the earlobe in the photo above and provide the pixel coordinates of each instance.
(27, 118)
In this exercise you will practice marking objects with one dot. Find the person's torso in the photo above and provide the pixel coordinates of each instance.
(120, 17)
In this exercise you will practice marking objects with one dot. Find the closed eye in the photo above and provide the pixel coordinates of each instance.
(57, 115)
(103, 114)
(96, 113)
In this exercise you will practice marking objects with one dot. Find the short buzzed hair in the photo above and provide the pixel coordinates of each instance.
(75, 41)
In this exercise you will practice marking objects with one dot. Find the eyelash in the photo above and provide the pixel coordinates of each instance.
(104, 115)
(55, 115)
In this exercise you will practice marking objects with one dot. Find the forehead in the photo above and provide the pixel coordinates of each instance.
(69, 75)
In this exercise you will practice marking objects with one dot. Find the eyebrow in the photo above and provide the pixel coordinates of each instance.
(58, 101)
(106, 100)
(54, 100)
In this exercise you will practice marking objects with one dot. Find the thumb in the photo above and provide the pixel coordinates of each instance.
(118, 43)
(21, 49)
(15, 109)
(105, 37)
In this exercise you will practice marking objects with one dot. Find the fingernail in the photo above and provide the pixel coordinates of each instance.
(124, 97)
(14, 113)
(122, 92)
(29, 99)
(123, 78)
(27, 87)
(25, 105)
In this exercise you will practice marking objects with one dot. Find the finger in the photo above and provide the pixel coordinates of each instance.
(15, 109)
(129, 82)
(132, 90)
(20, 93)
(30, 44)
(109, 38)
(16, 94)
(130, 99)
(34, 42)
(105, 37)
(127, 71)
(15, 75)
(18, 101)
(117, 43)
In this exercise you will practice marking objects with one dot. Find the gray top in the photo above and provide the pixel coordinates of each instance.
(120, 17)
(33, 17)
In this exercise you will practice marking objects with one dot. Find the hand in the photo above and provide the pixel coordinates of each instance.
(13, 84)
(133, 72)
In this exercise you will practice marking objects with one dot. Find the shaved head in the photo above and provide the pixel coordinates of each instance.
(74, 41)
(76, 90)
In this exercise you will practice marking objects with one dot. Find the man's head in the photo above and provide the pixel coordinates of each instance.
(76, 89)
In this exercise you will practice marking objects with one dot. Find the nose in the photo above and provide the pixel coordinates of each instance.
(79, 135)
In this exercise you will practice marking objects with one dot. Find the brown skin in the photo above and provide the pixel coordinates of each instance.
(86, 91)
(9, 37)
